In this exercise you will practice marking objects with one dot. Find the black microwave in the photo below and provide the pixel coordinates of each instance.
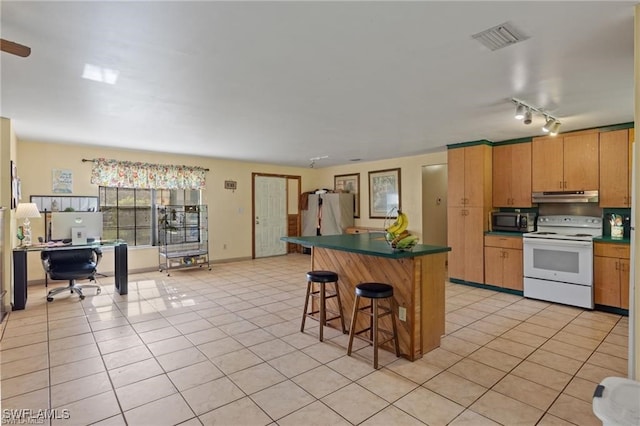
(513, 221)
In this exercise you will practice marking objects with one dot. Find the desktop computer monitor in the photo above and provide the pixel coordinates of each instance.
(78, 227)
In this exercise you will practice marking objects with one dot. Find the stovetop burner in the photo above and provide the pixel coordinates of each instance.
(561, 227)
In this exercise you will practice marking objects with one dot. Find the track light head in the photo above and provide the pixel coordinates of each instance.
(520, 111)
(527, 116)
(547, 126)
(553, 130)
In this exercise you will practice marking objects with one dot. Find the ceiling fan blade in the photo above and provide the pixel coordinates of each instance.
(14, 48)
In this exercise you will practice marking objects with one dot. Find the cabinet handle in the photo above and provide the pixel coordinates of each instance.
(617, 266)
(560, 184)
(506, 254)
(565, 184)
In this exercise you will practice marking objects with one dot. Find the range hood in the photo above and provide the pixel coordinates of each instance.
(565, 197)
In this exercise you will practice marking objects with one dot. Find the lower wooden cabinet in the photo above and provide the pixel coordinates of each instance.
(611, 274)
(503, 261)
(465, 231)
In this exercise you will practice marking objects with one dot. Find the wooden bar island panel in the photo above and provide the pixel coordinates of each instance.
(417, 276)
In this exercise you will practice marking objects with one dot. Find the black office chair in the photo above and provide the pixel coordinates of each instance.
(72, 265)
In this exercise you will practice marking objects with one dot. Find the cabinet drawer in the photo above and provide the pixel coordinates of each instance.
(611, 250)
(503, 242)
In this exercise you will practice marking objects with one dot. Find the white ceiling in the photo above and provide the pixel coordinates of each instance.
(283, 82)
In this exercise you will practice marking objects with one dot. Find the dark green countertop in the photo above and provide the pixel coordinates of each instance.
(608, 239)
(504, 233)
(372, 244)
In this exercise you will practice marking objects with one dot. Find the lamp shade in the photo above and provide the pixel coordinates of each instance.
(27, 210)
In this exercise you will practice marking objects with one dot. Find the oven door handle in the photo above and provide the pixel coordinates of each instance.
(556, 243)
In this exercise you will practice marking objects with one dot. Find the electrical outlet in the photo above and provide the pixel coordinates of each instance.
(402, 313)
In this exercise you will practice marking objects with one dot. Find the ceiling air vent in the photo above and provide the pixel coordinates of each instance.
(500, 36)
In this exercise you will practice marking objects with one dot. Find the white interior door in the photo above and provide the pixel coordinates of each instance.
(434, 204)
(270, 221)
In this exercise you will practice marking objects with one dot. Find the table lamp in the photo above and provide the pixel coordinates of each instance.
(27, 211)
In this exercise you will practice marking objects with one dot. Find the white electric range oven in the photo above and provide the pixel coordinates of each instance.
(558, 259)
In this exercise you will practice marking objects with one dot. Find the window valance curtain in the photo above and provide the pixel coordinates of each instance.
(128, 174)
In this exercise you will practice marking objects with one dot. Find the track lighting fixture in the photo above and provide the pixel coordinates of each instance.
(525, 112)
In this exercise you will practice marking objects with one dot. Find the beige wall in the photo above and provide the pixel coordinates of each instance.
(410, 179)
(230, 212)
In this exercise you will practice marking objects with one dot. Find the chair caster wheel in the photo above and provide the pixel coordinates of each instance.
(49, 299)
(82, 297)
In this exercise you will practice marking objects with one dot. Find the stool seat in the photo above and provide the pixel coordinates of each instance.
(322, 276)
(374, 290)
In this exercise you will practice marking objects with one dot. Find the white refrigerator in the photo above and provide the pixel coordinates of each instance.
(328, 214)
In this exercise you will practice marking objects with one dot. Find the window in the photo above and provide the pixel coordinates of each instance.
(128, 213)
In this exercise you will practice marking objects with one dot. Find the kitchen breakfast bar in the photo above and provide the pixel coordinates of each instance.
(417, 276)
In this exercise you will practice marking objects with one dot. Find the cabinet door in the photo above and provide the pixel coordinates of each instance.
(474, 244)
(581, 162)
(456, 240)
(624, 283)
(547, 164)
(614, 169)
(521, 175)
(455, 177)
(606, 281)
(477, 165)
(502, 176)
(493, 259)
(512, 269)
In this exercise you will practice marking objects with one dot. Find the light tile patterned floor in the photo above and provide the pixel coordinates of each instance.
(223, 347)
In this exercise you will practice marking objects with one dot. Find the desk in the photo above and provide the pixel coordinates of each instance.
(20, 267)
(417, 277)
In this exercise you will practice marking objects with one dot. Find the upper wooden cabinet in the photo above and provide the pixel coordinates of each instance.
(469, 176)
(512, 175)
(615, 168)
(568, 163)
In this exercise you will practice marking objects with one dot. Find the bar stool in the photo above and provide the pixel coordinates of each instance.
(322, 278)
(375, 292)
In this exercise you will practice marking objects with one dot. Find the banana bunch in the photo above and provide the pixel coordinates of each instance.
(398, 236)
(400, 225)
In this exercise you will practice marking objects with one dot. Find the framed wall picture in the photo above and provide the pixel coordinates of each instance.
(62, 181)
(384, 193)
(350, 184)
